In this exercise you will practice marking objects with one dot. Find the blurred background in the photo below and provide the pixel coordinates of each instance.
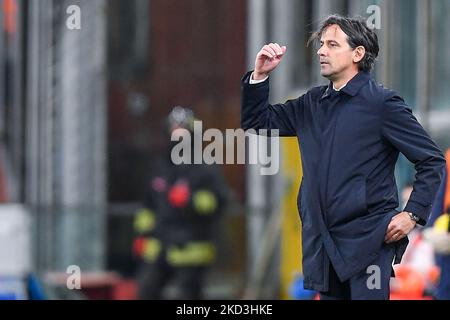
(82, 114)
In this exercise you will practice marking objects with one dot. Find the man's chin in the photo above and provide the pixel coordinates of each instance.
(326, 74)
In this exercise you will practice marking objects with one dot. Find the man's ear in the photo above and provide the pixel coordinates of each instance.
(358, 54)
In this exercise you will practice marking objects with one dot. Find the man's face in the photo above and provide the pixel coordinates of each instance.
(336, 55)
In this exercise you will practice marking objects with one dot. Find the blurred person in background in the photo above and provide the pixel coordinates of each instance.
(415, 278)
(350, 133)
(437, 234)
(176, 227)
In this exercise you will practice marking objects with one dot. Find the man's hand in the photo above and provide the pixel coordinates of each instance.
(267, 60)
(399, 227)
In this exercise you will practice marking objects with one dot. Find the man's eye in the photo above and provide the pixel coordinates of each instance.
(333, 44)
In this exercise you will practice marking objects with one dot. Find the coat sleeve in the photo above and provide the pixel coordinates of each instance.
(438, 205)
(404, 132)
(257, 113)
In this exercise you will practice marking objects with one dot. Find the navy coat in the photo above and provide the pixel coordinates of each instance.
(349, 141)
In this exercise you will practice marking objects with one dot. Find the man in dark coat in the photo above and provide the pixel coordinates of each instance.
(350, 134)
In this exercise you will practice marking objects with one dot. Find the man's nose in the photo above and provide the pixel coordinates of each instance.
(320, 52)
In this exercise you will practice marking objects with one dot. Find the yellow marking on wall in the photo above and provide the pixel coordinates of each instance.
(291, 248)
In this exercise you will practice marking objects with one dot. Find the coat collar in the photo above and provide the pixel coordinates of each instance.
(352, 87)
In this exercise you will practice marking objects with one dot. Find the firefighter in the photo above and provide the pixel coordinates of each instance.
(175, 228)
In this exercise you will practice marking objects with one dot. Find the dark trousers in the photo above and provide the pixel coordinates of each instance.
(154, 278)
(370, 284)
(443, 288)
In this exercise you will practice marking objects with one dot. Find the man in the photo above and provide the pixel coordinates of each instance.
(350, 134)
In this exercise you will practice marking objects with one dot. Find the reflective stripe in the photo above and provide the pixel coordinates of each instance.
(144, 221)
(205, 202)
(152, 249)
(193, 253)
(442, 223)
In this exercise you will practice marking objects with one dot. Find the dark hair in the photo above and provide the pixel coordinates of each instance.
(358, 34)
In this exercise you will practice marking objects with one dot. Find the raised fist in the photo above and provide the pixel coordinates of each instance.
(268, 59)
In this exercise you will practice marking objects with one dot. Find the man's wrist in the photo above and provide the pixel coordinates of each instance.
(253, 81)
(259, 76)
(413, 217)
